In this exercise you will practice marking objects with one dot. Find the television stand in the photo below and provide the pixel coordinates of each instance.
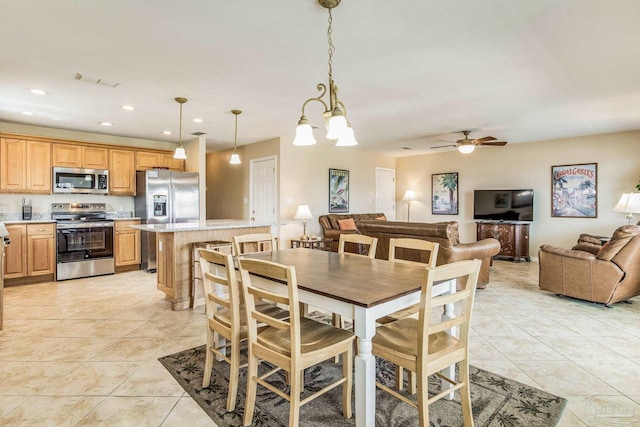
(512, 235)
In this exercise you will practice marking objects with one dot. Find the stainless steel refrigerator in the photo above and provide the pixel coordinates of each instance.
(164, 197)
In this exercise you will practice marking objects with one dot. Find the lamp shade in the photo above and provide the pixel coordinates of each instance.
(235, 159)
(466, 148)
(303, 212)
(348, 139)
(304, 135)
(409, 196)
(180, 153)
(628, 203)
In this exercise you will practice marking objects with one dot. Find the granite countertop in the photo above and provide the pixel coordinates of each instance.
(212, 224)
(127, 219)
(31, 221)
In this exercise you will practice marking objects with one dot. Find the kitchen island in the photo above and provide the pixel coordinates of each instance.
(174, 243)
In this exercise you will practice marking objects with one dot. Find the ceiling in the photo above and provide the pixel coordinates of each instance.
(410, 72)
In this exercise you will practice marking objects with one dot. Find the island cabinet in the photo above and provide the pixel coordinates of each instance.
(122, 172)
(513, 238)
(32, 253)
(127, 245)
(148, 160)
(25, 166)
(80, 156)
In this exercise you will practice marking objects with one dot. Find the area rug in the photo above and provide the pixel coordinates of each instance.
(496, 401)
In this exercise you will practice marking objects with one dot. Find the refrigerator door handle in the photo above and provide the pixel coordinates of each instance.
(171, 201)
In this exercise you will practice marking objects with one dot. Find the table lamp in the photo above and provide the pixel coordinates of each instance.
(629, 203)
(409, 196)
(304, 214)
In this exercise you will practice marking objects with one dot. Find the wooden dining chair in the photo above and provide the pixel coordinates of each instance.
(366, 245)
(291, 345)
(427, 347)
(255, 242)
(226, 317)
(399, 249)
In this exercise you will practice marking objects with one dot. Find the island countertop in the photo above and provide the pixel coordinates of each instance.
(212, 224)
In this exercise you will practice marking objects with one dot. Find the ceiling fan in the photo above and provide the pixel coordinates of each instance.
(467, 145)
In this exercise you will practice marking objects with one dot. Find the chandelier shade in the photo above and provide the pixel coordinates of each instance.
(180, 152)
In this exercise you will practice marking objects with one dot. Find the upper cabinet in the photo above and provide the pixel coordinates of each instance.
(80, 156)
(122, 174)
(148, 160)
(25, 166)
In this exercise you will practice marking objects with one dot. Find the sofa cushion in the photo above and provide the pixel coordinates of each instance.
(619, 240)
(347, 224)
(442, 230)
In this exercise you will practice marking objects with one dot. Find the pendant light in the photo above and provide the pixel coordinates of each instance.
(235, 158)
(180, 152)
(335, 113)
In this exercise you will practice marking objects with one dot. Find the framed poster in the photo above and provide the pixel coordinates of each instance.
(574, 190)
(338, 190)
(444, 193)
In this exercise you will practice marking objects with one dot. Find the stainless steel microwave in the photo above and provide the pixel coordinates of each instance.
(80, 181)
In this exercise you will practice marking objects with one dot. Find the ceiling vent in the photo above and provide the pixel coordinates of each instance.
(198, 133)
(96, 80)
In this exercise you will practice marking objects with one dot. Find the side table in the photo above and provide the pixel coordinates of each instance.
(320, 244)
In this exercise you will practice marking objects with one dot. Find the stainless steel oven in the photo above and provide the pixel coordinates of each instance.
(84, 240)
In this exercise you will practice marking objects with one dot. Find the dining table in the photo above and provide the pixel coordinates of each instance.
(363, 289)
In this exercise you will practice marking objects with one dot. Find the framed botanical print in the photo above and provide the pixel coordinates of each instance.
(574, 190)
(338, 191)
(444, 193)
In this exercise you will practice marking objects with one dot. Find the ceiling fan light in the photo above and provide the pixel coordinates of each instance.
(466, 149)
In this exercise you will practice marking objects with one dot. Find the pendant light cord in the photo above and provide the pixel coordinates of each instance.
(332, 48)
(180, 135)
(235, 138)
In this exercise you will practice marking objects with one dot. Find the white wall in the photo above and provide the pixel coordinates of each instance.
(528, 166)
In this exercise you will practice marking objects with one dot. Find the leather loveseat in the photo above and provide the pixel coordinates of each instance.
(331, 225)
(590, 271)
(443, 233)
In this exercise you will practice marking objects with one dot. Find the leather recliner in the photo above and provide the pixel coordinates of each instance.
(590, 271)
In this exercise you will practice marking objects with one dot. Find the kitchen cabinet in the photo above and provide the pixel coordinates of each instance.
(148, 160)
(127, 244)
(25, 166)
(32, 251)
(513, 238)
(165, 280)
(80, 156)
(122, 172)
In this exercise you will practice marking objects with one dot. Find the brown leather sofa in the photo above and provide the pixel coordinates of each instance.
(443, 233)
(594, 272)
(331, 227)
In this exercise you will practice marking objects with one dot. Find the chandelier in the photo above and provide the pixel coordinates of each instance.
(335, 114)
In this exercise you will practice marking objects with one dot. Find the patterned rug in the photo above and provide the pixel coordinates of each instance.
(496, 401)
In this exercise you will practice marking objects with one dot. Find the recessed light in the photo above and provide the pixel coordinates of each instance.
(106, 124)
(166, 132)
(128, 107)
(27, 113)
(38, 91)
(198, 120)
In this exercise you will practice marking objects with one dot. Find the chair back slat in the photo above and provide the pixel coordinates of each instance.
(255, 242)
(366, 245)
(428, 251)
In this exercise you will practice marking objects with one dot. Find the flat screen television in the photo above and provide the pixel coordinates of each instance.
(503, 205)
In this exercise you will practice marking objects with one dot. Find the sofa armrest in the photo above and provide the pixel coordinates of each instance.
(334, 234)
(485, 248)
(571, 253)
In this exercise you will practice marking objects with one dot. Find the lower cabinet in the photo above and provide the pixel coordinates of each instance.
(32, 251)
(165, 264)
(513, 238)
(127, 245)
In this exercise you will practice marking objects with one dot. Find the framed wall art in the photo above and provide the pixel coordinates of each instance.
(574, 190)
(338, 191)
(444, 193)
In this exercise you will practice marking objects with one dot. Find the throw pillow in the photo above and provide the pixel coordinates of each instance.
(380, 218)
(347, 224)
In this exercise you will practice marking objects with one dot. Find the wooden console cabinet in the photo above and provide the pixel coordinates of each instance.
(513, 238)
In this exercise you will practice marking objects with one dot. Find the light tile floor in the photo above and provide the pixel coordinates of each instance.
(84, 352)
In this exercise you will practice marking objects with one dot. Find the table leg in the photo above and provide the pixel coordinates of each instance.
(365, 369)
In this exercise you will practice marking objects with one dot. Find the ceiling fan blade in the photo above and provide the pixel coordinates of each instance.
(486, 138)
(494, 143)
(444, 146)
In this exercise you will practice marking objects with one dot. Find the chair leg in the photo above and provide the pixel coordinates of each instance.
(399, 377)
(423, 397)
(294, 399)
(252, 386)
(234, 373)
(412, 388)
(465, 394)
(208, 361)
(337, 322)
(347, 372)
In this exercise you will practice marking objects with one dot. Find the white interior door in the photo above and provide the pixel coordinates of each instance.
(386, 192)
(264, 195)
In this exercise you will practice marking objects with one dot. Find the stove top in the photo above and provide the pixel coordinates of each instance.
(79, 212)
